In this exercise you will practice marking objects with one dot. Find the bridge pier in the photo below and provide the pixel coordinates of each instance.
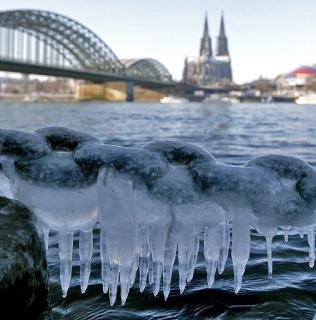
(130, 91)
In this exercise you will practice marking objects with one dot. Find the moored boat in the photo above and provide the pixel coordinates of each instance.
(173, 99)
(220, 99)
(307, 99)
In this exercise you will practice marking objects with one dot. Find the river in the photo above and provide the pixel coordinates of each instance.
(233, 134)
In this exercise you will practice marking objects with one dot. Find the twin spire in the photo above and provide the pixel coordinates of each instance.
(206, 42)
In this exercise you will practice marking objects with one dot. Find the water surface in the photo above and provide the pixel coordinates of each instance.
(233, 134)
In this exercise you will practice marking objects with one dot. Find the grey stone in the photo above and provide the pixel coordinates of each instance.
(179, 152)
(284, 166)
(23, 265)
(56, 170)
(64, 139)
(22, 144)
(140, 162)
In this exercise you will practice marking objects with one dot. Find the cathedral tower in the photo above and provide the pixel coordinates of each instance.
(208, 70)
(206, 42)
(222, 42)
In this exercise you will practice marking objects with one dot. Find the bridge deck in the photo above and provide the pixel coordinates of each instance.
(94, 76)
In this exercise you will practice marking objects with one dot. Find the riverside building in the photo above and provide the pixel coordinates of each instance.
(208, 69)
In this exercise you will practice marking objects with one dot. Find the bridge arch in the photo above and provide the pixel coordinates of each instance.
(48, 43)
(49, 38)
(147, 68)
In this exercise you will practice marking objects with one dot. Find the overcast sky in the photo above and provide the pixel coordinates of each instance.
(266, 37)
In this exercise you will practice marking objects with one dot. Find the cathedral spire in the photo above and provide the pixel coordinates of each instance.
(222, 32)
(206, 43)
(222, 42)
(205, 33)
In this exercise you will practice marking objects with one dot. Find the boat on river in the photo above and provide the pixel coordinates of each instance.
(221, 99)
(173, 99)
(309, 99)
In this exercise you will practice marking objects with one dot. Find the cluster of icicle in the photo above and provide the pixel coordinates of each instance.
(152, 204)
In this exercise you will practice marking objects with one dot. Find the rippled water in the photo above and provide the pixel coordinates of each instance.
(233, 134)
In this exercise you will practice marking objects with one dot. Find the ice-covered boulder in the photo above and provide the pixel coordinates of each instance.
(23, 266)
(138, 162)
(154, 204)
(17, 143)
(62, 195)
(64, 139)
(63, 198)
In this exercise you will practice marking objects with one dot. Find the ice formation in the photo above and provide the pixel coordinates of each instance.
(60, 193)
(153, 204)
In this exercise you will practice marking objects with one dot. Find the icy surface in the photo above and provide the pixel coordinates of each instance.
(5, 190)
(154, 206)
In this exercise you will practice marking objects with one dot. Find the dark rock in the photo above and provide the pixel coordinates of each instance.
(306, 188)
(22, 144)
(23, 265)
(180, 152)
(64, 139)
(140, 162)
(56, 170)
(284, 166)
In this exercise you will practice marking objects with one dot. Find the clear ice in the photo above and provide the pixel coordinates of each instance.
(154, 204)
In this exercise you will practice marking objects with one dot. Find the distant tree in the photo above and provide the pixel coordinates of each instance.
(263, 85)
(311, 85)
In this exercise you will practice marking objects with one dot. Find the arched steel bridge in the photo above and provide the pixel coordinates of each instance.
(41, 42)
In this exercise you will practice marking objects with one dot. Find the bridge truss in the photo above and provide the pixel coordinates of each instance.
(50, 41)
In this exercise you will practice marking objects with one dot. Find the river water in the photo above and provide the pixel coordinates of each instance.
(233, 134)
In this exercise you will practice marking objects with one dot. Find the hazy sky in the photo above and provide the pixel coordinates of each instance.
(266, 37)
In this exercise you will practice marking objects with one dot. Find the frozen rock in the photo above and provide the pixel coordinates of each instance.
(64, 139)
(5, 190)
(23, 266)
(154, 203)
(63, 198)
(143, 163)
(179, 153)
(283, 166)
(22, 144)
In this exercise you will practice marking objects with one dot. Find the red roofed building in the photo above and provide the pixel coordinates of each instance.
(304, 72)
(298, 78)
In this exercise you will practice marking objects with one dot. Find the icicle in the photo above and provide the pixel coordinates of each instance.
(143, 271)
(105, 265)
(286, 234)
(212, 245)
(113, 282)
(135, 266)
(211, 266)
(46, 238)
(157, 272)
(85, 253)
(144, 255)
(169, 259)
(158, 238)
(225, 247)
(65, 254)
(240, 245)
(311, 242)
(194, 256)
(150, 270)
(125, 274)
(117, 207)
(184, 254)
(269, 238)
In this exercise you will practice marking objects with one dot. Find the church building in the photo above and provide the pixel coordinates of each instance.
(209, 69)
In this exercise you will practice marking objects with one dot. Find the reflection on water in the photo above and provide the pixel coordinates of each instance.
(233, 134)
